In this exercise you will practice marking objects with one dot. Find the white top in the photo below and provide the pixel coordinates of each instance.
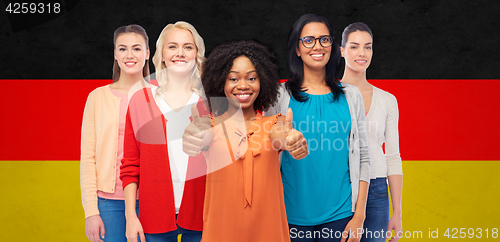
(177, 122)
(382, 127)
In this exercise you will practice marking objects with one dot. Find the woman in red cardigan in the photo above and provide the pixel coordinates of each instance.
(171, 184)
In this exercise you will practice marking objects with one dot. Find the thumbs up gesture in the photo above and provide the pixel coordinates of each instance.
(197, 134)
(295, 142)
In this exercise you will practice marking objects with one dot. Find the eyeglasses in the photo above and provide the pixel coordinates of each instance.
(310, 41)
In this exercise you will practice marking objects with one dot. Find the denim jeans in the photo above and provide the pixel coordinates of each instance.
(377, 211)
(171, 236)
(112, 213)
(189, 235)
(331, 231)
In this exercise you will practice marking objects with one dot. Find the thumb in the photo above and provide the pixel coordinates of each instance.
(195, 115)
(102, 230)
(288, 120)
(142, 236)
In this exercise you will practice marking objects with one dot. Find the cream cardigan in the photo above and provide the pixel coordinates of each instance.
(98, 147)
(382, 127)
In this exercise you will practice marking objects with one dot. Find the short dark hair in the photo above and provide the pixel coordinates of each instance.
(296, 66)
(136, 29)
(217, 65)
(351, 28)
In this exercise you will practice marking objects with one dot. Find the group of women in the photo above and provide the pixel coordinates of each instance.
(221, 151)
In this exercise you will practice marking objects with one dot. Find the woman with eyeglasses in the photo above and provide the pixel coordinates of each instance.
(325, 193)
(382, 114)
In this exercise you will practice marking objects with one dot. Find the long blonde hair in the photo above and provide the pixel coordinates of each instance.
(160, 66)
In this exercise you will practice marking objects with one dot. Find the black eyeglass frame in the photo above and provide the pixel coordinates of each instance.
(323, 36)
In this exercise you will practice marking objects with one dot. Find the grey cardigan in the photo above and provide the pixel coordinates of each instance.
(359, 158)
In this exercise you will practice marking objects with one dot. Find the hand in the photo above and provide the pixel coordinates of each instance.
(396, 225)
(134, 229)
(353, 227)
(295, 142)
(192, 139)
(93, 225)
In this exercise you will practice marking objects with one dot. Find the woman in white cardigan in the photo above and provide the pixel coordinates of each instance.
(381, 110)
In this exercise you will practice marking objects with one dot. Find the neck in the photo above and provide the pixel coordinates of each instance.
(248, 113)
(179, 83)
(314, 77)
(126, 81)
(357, 79)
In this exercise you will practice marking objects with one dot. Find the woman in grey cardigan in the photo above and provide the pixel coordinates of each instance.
(382, 115)
(327, 190)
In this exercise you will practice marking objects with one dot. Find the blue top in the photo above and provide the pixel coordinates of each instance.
(317, 188)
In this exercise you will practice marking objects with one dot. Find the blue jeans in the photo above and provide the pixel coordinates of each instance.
(377, 211)
(171, 236)
(331, 231)
(112, 213)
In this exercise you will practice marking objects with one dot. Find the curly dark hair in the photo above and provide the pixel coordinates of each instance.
(220, 61)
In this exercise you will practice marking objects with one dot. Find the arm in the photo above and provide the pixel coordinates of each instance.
(129, 174)
(134, 227)
(364, 154)
(129, 170)
(356, 223)
(393, 157)
(284, 136)
(88, 179)
(396, 188)
(394, 166)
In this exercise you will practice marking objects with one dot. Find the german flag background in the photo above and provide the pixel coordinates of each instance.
(441, 59)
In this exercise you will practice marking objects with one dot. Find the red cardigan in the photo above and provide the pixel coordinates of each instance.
(145, 161)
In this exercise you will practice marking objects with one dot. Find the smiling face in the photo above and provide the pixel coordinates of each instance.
(358, 51)
(242, 85)
(179, 47)
(317, 57)
(131, 53)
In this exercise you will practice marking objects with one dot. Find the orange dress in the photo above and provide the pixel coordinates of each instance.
(244, 194)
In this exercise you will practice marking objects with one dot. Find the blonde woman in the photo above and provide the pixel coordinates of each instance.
(171, 184)
(102, 137)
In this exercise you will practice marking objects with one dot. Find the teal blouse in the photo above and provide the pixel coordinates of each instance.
(317, 188)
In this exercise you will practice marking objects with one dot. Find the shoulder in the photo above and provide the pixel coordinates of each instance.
(141, 93)
(385, 96)
(347, 86)
(282, 90)
(103, 90)
(141, 96)
(283, 95)
(273, 118)
(351, 91)
(202, 106)
(99, 94)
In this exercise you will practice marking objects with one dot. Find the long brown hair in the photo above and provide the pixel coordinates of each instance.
(136, 29)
